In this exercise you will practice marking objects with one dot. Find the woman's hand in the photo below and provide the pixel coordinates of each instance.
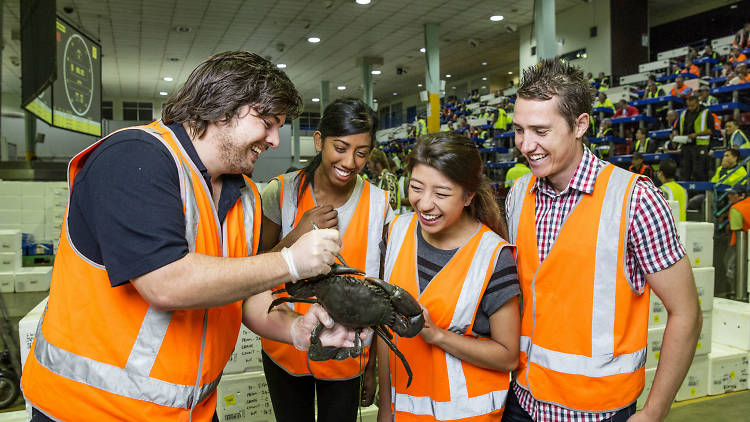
(430, 333)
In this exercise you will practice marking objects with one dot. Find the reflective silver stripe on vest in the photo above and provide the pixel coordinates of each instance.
(515, 205)
(452, 410)
(395, 240)
(115, 380)
(377, 215)
(247, 198)
(288, 212)
(460, 405)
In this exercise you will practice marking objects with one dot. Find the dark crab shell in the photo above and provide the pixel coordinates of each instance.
(354, 302)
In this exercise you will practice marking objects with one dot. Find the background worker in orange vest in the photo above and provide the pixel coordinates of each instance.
(451, 254)
(639, 167)
(153, 277)
(583, 282)
(739, 219)
(329, 193)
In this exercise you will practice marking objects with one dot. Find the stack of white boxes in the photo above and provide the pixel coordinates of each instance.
(36, 208)
(697, 238)
(26, 332)
(14, 277)
(242, 394)
(730, 370)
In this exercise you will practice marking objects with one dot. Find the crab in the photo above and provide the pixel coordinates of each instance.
(356, 303)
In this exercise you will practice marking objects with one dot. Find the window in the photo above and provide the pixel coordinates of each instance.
(107, 110)
(132, 110)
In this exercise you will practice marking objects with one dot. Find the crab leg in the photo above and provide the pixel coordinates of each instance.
(285, 299)
(392, 346)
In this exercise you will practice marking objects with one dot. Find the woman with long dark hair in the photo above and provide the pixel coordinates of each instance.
(450, 253)
(328, 193)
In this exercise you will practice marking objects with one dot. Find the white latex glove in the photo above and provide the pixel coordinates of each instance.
(312, 254)
(333, 335)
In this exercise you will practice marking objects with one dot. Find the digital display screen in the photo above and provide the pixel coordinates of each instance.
(77, 94)
(41, 106)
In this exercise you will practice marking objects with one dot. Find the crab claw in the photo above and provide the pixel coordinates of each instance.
(336, 269)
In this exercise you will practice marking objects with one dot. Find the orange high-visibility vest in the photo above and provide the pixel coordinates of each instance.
(744, 208)
(444, 387)
(102, 353)
(583, 326)
(362, 235)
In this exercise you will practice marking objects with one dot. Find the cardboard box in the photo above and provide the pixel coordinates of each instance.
(731, 323)
(244, 397)
(10, 240)
(10, 261)
(7, 282)
(27, 328)
(725, 370)
(646, 388)
(695, 384)
(698, 240)
(33, 279)
(704, 283)
(246, 356)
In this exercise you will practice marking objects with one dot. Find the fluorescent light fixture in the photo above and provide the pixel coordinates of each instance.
(163, 93)
(484, 78)
(484, 86)
(395, 93)
(313, 40)
(168, 78)
(419, 85)
(496, 18)
(376, 72)
(374, 100)
(316, 100)
(448, 75)
(422, 50)
(363, 1)
(281, 66)
(341, 87)
(510, 73)
(484, 63)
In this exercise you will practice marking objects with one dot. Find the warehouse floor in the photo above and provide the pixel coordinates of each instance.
(730, 407)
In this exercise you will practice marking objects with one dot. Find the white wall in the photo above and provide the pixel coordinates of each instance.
(573, 27)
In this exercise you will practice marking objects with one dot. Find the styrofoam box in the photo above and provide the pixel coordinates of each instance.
(10, 202)
(17, 416)
(731, 323)
(646, 388)
(695, 384)
(246, 356)
(369, 414)
(698, 240)
(10, 188)
(705, 338)
(11, 216)
(704, 283)
(674, 207)
(32, 217)
(57, 190)
(7, 282)
(36, 230)
(653, 348)
(33, 188)
(32, 203)
(657, 312)
(27, 328)
(10, 240)
(244, 397)
(725, 369)
(54, 219)
(33, 279)
(10, 261)
(52, 233)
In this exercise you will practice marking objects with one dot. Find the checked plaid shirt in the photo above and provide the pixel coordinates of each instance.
(652, 246)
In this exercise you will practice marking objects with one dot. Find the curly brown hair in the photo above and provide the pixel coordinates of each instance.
(223, 83)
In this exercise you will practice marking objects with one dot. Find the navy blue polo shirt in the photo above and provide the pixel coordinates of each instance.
(125, 208)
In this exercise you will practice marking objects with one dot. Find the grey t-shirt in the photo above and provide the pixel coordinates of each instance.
(503, 284)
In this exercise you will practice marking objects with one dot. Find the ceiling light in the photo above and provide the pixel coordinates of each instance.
(281, 66)
(453, 87)
(484, 78)
(376, 72)
(448, 75)
(374, 100)
(419, 85)
(341, 87)
(484, 63)
(484, 87)
(168, 78)
(395, 93)
(316, 100)
(313, 40)
(496, 18)
(422, 50)
(363, 1)
(510, 73)
(163, 93)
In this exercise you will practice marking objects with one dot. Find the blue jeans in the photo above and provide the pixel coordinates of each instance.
(515, 413)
